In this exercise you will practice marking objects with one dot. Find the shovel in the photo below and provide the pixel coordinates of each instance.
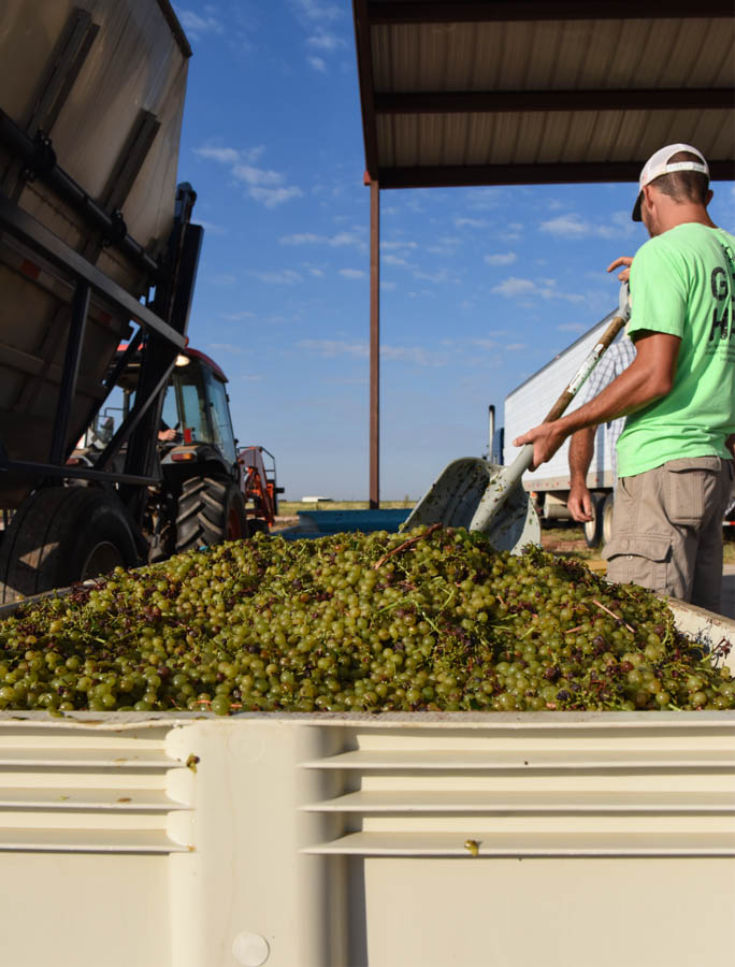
(482, 496)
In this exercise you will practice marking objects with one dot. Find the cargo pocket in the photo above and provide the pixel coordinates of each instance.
(685, 490)
(636, 559)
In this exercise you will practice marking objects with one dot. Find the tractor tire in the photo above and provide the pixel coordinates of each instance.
(210, 511)
(593, 528)
(61, 535)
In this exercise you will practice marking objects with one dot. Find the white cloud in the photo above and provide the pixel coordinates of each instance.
(238, 316)
(511, 232)
(515, 347)
(567, 226)
(501, 258)
(393, 260)
(279, 277)
(317, 10)
(271, 197)
(332, 347)
(483, 198)
(325, 41)
(470, 223)
(225, 155)
(340, 240)
(573, 226)
(513, 288)
(416, 355)
(318, 63)
(572, 327)
(438, 277)
(263, 185)
(195, 26)
(352, 273)
(256, 176)
(397, 246)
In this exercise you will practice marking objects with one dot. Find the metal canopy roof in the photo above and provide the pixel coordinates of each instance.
(537, 91)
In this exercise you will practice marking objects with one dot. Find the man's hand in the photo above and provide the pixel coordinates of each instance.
(579, 503)
(625, 260)
(546, 439)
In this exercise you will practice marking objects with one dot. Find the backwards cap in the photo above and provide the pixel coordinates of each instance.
(658, 164)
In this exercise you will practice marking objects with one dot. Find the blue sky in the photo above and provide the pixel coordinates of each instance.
(480, 287)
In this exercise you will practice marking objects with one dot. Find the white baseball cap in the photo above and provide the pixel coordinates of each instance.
(658, 164)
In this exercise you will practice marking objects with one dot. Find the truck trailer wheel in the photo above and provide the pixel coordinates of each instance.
(593, 528)
(607, 518)
(210, 511)
(61, 535)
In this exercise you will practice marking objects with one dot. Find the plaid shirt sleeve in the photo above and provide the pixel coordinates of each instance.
(617, 358)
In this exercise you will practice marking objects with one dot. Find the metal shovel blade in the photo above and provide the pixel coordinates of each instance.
(462, 497)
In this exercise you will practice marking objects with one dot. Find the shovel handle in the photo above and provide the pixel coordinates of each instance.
(586, 368)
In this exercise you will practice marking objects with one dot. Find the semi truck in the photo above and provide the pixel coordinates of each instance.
(98, 261)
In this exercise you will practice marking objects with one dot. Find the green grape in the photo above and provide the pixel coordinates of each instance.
(431, 620)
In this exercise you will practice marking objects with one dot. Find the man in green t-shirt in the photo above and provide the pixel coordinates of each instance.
(674, 456)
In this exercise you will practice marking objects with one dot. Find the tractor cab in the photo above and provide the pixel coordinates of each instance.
(195, 417)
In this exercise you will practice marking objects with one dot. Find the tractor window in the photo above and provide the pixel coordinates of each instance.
(184, 406)
(170, 414)
(220, 416)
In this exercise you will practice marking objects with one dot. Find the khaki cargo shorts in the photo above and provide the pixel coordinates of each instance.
(667, 529)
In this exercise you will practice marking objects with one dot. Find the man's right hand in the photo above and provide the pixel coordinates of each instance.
(579, 503)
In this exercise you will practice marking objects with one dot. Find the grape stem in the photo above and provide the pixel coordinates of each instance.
(612, 614)
(405, 544)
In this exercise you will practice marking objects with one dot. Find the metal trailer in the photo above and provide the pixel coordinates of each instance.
(102, 87)
(97, 249)
(393, 840)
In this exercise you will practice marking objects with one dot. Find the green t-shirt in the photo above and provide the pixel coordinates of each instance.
(683, 283)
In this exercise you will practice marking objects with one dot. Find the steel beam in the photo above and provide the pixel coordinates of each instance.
(517, 102)
(70, 372)
(488, 11)
(448, 176)
(374, 345)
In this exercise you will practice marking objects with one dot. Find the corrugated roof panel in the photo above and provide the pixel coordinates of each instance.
(549, 55)
(550, 58)
(532, 137)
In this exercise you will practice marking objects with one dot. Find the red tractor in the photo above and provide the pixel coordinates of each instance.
(208, 490)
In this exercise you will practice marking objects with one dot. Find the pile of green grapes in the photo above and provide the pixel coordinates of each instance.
(430, 620)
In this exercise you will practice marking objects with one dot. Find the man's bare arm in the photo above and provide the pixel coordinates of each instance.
(581, 448)
(649, 377)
